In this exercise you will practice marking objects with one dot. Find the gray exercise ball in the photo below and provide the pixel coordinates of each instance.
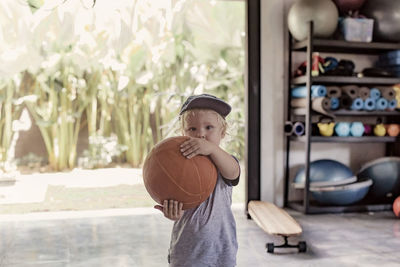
(385, 174)
(323, 13)
(386, 15)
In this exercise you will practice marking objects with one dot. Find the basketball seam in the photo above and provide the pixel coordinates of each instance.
(198, 177)
(171, 178)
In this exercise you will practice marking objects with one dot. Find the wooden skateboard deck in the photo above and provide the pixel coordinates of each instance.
(275, 221)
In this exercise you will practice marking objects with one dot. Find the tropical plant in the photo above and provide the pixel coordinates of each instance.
(122, 68)
(16, 59)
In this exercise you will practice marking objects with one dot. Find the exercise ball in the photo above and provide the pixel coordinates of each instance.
(386, 15)
(348, 5)
(385, 174)
(396, 207)
(325, 172)
(341, 194)
(323, 13)
(167, 174)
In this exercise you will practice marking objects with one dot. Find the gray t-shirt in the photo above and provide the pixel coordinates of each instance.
(206, 235)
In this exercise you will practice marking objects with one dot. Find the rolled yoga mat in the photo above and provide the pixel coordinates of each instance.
(301, 91)
(381, 104)
(396, 88)
(374, 93)
(335, 103)
(333, 91)
(369, 104)
(298, 103)
(363, 92)
(288, 128)
(345, 102)
(342, 129)
(319, 104)
(358, 104)
(350, 90)
(392, 104)
(298, 128)
(357, 129)
(388, 92)
(318, 90)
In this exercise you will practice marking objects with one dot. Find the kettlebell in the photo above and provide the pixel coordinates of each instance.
(326, 129)
(379, 130)
(342, 129)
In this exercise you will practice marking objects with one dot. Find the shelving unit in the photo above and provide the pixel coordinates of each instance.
(346, 80)
(309, 46)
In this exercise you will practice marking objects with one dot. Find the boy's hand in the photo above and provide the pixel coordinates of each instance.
(172, 209)
(196, 146)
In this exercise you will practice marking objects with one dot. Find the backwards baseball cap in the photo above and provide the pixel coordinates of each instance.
(208, 102)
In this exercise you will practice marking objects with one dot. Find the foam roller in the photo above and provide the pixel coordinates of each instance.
(392, 104)
(369, 104)
(333, 91)
(316, 91)
(334, 103)
(357, 104)
(321, 105)
(298, 128)
(381, 104)
(388, 92)
(350, 90)
(288, 128)
(396, 88)
(374, 93)
(345, 101)
(342, 129)
(363, 93)
(357, 129)
(299, 92)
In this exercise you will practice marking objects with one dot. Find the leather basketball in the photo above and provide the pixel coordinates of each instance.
(167, 174)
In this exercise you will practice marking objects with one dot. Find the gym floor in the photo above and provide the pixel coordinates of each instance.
(140, 237)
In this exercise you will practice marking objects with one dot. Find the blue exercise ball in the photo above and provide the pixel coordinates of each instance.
(385, 174)
(341, 194)
(325, 172)
(323, 13)
(386, 15)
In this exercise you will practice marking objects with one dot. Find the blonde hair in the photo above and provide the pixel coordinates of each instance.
(192, 112)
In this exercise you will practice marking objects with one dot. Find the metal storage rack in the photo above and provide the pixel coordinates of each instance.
(309, 46)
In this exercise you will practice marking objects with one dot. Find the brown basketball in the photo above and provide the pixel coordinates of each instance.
(167, 174)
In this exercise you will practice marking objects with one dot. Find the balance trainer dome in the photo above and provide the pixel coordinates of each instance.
(167, 174)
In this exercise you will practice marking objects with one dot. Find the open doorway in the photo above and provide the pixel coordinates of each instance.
(96, 86)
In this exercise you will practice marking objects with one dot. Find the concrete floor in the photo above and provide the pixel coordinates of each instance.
(140, 237)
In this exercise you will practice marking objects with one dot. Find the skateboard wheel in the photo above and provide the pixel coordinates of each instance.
(302, 246)
(270, 247)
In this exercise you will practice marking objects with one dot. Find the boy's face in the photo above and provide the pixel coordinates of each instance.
(204, 124)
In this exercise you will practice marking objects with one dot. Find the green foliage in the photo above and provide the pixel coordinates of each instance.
(129, 74)
(103, 150)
